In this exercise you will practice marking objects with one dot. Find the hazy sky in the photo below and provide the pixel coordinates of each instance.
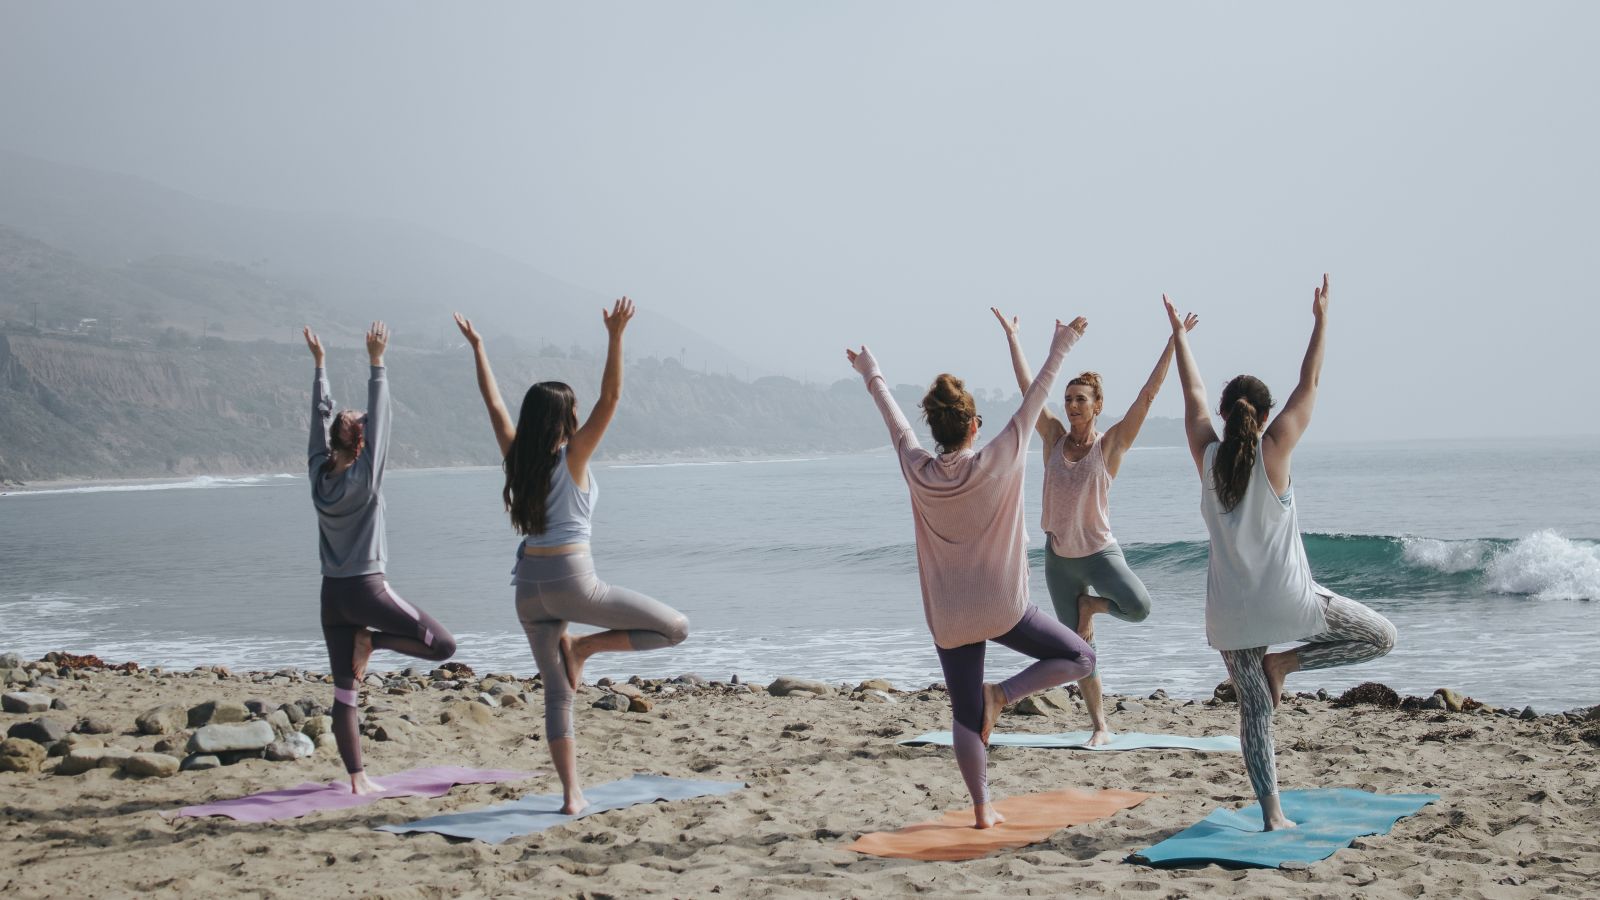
(790, 178)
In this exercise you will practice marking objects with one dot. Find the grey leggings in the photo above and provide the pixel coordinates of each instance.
(1104, 574)
(1355, 634)
(555, 590)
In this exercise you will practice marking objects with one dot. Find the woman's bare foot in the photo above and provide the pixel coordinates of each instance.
(573, 664)
(363, 653)
(1272, 816)
(1100, 737)
(574, 803)
(1088, 608)
(1277, 666)
(994, 701)
(361, 784)
(986, 816)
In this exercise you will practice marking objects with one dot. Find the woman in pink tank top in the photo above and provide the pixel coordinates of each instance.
(1084, 566)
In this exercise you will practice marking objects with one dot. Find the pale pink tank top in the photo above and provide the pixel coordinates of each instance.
(1077, 501)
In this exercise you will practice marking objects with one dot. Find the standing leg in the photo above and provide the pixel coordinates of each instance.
(1355, 634)
(1255, 730)
(1116, 591)
(547, 637)
(340, 636)
(963, 675)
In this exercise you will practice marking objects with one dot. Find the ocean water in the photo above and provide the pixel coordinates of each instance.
(1485, 556)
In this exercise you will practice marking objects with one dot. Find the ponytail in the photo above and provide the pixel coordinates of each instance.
(1243, 401)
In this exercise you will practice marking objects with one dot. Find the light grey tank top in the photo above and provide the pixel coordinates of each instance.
(566, 509)
(1258, 584)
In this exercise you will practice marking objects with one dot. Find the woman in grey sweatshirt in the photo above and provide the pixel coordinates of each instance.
(360, 612)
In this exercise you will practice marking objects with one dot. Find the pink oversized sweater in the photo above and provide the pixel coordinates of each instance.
(972, 544)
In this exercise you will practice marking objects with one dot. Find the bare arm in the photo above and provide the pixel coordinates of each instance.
(1014, 437)
(1196, 417)
(499, 417)
(1049, 427)
(1284, 432)
(378, 414)
(1121, 436)
(901, 435)
(584, 443)
(321, 405)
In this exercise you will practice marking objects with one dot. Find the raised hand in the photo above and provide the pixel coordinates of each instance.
(1190, 321)
(467, 331)
(861, 360)
(617, 318)
(1178, 324)
(1319, 301)
(1080, 325)
(315, 343)
(377, 341)
(1010, 325)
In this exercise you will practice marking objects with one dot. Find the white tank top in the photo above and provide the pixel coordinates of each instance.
(1258, 584)
(1077, 501)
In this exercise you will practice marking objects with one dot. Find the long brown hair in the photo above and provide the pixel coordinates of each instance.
(549, 417)
(346, 437)
(1244, 401)
(949, 409)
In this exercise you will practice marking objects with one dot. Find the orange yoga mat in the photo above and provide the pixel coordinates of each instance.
(1030, 818)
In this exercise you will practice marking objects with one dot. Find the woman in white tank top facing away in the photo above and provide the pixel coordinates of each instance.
(550, 494)
(1084, 568)
(1259, 589)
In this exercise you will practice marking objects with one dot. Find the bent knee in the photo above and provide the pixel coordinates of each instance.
(443, 646)
(1137, 612)
(677, 631)
(1386, 637)
(1089, 659)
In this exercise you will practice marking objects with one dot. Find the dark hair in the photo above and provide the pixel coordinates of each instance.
(549, 417)
(949, 410)
(1244, 401)
(345, 435)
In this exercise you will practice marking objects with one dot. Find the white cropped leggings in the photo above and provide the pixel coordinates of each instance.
(555, 590)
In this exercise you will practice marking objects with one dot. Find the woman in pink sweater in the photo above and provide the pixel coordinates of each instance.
(972, 548)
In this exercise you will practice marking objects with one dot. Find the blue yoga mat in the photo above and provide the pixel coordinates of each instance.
(1079, 740)
(536, 812)
(1325, 820)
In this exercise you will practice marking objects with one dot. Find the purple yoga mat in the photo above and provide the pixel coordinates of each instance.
(310, 797)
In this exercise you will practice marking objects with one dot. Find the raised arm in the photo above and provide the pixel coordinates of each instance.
(499, 417)
(1196, 417)
(378, 417)
(1121, 436)
(582, 445)
(1013, 439)
(321, 404)
(1284, 432)
(1049, 427)
(901, 435)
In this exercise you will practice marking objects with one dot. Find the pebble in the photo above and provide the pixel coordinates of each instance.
(257, 706)
(24, 702)
(690, 678)
(489, 700)
(873, 695)
(614, 702)
(875, 684)
(1225, 693)
(1158, 694)
(1528, 713)
(162, 719)
(84, 759)
(294, 746)
(1453, 701)
(279, 720)
(200, 762)
(93, 725)
(231, 737)
(317, 726)
(391, 730)
(638, 705)
(150, 765)
(173, 745)
(44, 731)
(511, 701)
(294, 712)
(14, 676)
(1434, 702)
(10, 661)
(785, 685)
(61, 704)
(1129, 706)
(627, 690)
(327, 743)
(218, 712)
(17, 755)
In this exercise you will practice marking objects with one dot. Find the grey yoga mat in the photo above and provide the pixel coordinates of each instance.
(536, 812)
(1079, 740)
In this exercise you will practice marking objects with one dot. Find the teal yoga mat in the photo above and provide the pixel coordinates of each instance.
(1326, 820)
(536, 812)
(1079, 740)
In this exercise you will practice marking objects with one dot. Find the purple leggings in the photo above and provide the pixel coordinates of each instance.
(366, 601)
(1062, 657)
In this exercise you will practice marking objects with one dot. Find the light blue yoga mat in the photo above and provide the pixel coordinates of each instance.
(536, 812)
(1079, 740)
(1325, 820)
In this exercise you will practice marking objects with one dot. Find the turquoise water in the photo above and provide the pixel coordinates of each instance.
(1486, 557)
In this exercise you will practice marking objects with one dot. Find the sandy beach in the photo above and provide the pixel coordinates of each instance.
(1519, 814)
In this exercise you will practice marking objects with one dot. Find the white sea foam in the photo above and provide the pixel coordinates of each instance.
(199, 483)
(1546, 566)
(1448, 557)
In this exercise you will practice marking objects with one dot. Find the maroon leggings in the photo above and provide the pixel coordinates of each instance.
(362, 602)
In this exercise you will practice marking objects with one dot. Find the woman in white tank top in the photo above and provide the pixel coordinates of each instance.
(1259, 589)
(1084, 568)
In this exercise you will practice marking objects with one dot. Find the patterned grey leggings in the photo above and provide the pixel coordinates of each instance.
(1355, 634)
